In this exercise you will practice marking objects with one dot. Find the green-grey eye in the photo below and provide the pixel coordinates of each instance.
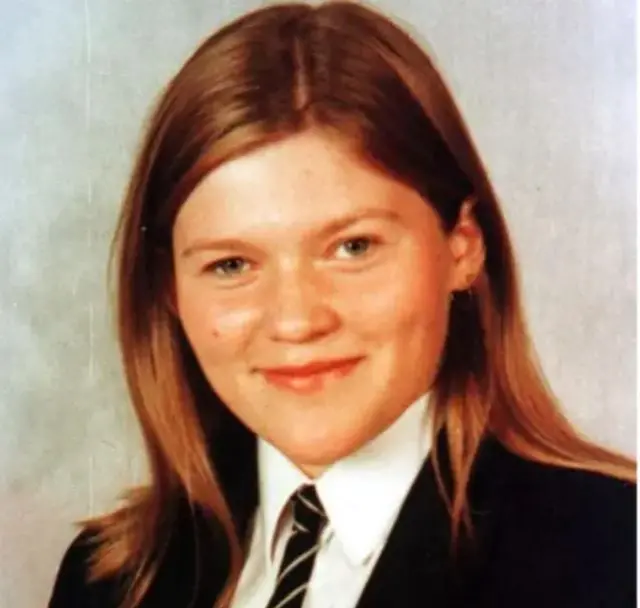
(358, 246)
(228, 266)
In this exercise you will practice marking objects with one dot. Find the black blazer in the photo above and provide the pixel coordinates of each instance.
(546, 537)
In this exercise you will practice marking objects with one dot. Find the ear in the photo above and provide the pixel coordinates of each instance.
(466, 244)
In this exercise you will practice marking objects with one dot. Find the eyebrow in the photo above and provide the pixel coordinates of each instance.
(331, 227)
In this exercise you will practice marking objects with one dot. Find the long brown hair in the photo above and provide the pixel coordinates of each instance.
(345, 69)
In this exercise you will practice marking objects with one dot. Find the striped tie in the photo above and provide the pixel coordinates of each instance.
(301, 549)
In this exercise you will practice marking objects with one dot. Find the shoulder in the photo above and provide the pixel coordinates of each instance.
(554, 493)
(192, 566)
(559, 533)
(72, 588)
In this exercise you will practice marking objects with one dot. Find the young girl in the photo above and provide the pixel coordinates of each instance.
(324, 343)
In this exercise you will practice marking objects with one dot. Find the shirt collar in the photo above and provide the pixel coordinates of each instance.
(278, 478)
(362, 493)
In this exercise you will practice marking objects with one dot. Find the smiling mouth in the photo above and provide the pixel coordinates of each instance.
(310, 380)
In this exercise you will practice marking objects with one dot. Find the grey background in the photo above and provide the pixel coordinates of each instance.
(549, 92)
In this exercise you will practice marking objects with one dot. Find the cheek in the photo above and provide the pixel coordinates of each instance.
(411, 299)
(214, 329)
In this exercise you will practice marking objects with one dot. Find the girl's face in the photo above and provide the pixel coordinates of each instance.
(300, 255)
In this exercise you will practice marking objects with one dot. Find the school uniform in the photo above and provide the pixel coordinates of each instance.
(545, 537)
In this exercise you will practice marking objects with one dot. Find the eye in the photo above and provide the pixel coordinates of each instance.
(228, 267)
(358, 246)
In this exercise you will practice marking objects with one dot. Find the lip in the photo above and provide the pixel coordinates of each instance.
(311, 368)
(312, 377)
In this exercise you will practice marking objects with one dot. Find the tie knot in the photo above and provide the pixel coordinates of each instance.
(307, 508)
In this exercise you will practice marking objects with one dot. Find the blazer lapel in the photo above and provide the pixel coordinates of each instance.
(415, 560)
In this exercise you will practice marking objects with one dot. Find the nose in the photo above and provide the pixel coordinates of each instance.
(298, 310)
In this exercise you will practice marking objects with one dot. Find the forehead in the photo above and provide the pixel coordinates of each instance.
(304, 180)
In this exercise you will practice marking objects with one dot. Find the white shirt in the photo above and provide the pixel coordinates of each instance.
(361, 494)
